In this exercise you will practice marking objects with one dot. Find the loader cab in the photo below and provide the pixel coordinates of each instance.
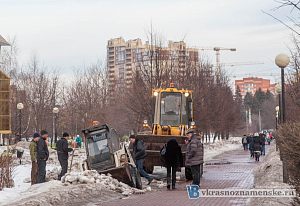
(101, 143)
(173, 111)
(106, 156)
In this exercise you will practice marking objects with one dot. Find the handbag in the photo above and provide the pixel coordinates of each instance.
(163, 152)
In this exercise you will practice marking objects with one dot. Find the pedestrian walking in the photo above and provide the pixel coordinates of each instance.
(42, 156)
(63, 154)
(251, 146)
(173, 160)
(194, 158)
(256, 146)
(262, 138)
(78, 141)
(271, 136)
(244, 142)
(139, 155)
(33, 155)
(269, 141)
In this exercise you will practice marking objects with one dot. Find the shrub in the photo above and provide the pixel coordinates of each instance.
(6, 169)
(288, 140)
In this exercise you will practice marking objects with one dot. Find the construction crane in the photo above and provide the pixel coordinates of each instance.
(255, 75)
(218, 62)
(234, 64)
(218, 59)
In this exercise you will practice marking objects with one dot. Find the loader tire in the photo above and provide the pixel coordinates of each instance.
(188, 173)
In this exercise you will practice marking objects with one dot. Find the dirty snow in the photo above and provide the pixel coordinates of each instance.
(214, 149)
(21, 173)
(269, 175)
(78, 183)
(84, 186)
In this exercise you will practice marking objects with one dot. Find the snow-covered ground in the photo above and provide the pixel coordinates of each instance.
(269, 175)
(214, 149)
(23, 189)
(22, 173)
(21, 176)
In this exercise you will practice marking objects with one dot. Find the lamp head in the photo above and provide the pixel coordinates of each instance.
(282, 60)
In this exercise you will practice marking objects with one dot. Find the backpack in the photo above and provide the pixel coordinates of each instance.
(244, 140)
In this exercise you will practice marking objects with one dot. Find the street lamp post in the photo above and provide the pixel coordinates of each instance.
(282, 60)
(55, 114)
(20, 106)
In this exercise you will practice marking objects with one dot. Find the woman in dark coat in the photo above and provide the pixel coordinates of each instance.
(173, 160)
(257, 147)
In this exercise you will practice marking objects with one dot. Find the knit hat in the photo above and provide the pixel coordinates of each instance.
(132, 136)
(36, 135)
(43, 132)
(65, 134)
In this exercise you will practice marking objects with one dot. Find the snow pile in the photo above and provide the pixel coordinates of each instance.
(235, 140)
(269, 175)
(2, 149)
(102, 180)
(52, 173)
(21, 173)
(213, 149)
(77, 188)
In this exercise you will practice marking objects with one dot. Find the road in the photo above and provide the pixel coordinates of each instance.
(232, 169)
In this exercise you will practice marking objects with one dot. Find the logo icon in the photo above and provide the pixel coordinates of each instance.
(193, 191)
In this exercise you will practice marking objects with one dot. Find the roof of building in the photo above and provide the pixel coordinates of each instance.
(3, 76)
(3, 42)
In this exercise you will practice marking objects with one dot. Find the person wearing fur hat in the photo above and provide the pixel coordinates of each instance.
(63, 154)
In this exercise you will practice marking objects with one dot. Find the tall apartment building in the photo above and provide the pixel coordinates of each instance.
(252, 84)
(125, 57)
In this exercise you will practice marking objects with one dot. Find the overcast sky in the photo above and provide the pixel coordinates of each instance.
(68, 34)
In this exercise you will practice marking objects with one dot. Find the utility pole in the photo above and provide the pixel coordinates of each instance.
(250, 117)
(247, 122)
(259, 120)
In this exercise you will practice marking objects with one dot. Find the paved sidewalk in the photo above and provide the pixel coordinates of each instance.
(232, 169)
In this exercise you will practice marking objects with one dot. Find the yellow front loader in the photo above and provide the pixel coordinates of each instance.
(173, 117)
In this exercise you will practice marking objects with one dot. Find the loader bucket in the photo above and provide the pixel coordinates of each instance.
(126, 174)
(153, 145)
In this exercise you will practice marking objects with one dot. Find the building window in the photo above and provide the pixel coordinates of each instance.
(121, 73)
(138, 55)
(120, 55)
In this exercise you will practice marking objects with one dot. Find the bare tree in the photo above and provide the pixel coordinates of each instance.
(38, 90)
(86, 98)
